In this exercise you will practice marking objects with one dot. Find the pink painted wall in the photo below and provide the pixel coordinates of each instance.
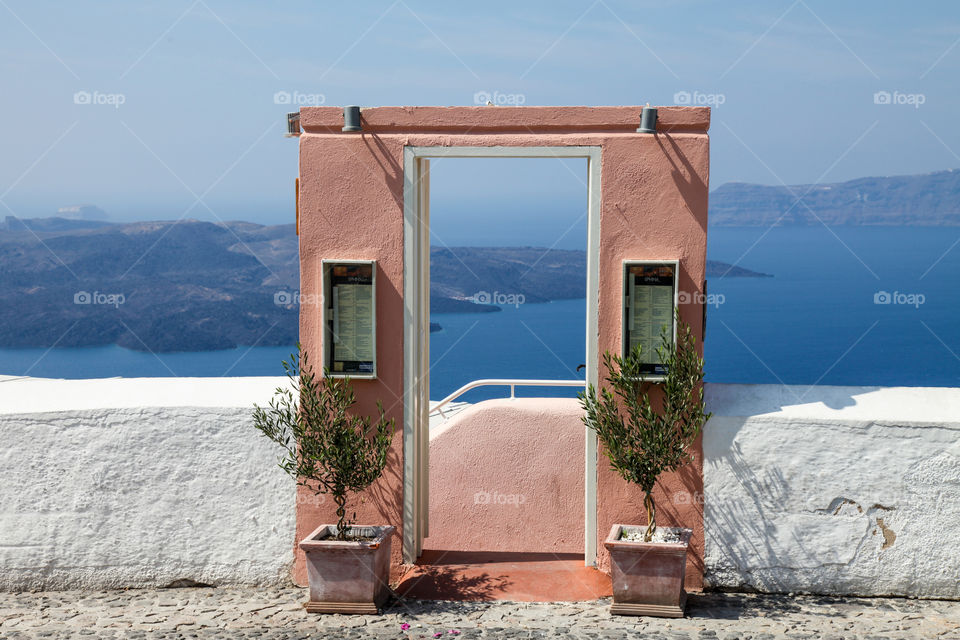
(653, 205)
(507, 475)
(351, 207)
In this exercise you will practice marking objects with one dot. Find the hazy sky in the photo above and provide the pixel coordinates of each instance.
(182, 116)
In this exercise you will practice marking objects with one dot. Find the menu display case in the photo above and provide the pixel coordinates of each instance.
(649, 307)
(350, 312)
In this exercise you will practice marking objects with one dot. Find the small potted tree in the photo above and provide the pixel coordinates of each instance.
(333, 452)
(644, 438)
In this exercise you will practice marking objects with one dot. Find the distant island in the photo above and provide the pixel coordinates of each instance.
(197, 286)
(74, 281)
(931, 199)
(460, 277)
(147, 286)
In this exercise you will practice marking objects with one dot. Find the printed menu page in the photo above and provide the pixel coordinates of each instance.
(651, 308)
(363, 304)
(353, 322)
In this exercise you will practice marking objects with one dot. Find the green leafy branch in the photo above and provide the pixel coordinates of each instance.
(324, 446)
(651, 438)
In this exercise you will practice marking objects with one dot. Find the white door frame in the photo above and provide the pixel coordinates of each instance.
(416, 332)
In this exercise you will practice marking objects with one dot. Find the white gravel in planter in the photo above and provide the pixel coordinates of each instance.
(663, 535)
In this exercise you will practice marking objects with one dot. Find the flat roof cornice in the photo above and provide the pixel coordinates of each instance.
(491, 119)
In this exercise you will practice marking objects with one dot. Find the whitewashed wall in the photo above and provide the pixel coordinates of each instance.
(143, 482)
(140, 482)
(838, 490)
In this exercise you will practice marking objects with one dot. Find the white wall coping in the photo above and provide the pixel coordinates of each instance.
(44, 395)
(904, 405)
(890, 405)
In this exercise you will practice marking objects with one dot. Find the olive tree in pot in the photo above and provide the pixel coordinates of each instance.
(332, 451)
(643, 439)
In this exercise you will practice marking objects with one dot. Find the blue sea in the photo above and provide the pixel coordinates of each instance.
(847, 306)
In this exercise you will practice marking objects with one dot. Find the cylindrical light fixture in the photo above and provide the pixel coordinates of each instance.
(648, 120)
(351, 118)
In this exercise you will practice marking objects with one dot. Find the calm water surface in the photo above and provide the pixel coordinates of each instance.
(823, 319)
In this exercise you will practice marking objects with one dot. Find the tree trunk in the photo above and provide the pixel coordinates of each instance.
(651, 516)
(341, 501)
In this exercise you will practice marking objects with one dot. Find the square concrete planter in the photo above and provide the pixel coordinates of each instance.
(647, 577)
(348, 577)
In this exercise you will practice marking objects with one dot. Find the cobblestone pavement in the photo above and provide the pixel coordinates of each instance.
(278, 613)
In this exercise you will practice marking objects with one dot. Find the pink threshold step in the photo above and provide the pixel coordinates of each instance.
(527, 577)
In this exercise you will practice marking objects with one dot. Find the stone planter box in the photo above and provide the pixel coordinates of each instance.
(348, 577)
(647, 577)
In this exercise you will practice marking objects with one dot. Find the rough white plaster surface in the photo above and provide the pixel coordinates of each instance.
(837, 490)
(140, 482)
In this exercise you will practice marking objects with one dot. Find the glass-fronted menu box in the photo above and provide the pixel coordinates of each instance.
(649, 308)
(350, 312)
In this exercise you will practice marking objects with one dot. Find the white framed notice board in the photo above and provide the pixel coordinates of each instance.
(650, 299)
(350, 318)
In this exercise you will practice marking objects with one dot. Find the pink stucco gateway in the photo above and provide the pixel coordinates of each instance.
(653, 206)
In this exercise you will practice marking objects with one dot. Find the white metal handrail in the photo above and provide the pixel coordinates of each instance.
(513, 383)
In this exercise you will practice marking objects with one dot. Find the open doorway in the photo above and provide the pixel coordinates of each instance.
(525, 339)
(508, 239)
